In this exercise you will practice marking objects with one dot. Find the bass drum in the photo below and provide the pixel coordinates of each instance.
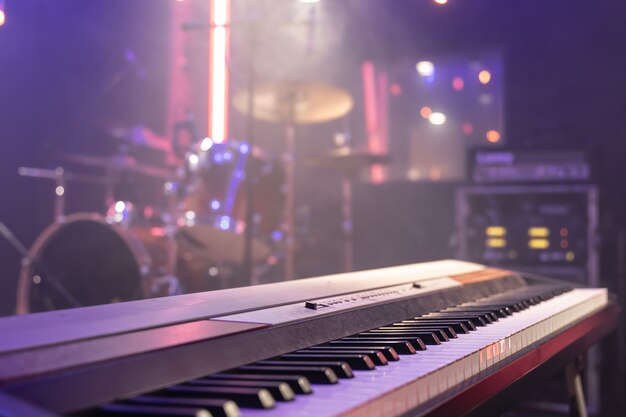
(85, 261)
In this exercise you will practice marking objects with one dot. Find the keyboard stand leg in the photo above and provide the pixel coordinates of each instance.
(577, 406)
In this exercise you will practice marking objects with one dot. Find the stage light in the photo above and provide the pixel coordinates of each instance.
(442, 2)
(468, 128)
(564, 232)
(484, 77)
(425, 112)
(215, 205)
(425, 68)
(60, 190)
(564, 244)
(457, 83)
(493, 136)
(569, 256)
(3, 17)
(218, 70)
(206, 144)
(437, 118)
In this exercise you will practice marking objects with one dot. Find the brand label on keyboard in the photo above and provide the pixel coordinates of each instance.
(314, 308)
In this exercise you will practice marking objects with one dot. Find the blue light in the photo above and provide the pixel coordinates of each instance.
(225, 222)
(228, 156)
(244, 148)
(277, 235)
(215, 205)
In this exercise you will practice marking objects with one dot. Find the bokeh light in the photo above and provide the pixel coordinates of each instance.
(395, 89)
(437, 118)
(493, 136)
(484, 77)
(457, 83)
(425, 68)
(425, 112)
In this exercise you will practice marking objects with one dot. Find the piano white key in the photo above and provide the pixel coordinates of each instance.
(418, 378)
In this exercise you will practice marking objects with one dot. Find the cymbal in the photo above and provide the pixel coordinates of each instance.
(300, 102)
(222, 245)
(347, 159)
(117, 163)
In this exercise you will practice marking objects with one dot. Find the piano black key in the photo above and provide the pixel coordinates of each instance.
(418, 342)
(244, 397)
(415, 332)
(401, 346)
(376, 356)
(131, 410)
(298, 383)
(445, 329)
(441, 332)
(356, 361)
(319, 375)
(342, 369)
(485, 319)
(389, 352)
(281, 391)
(469, 325)
(502, 309)
(479, 321)
(219, 408)
(494, 314)
(458, 328)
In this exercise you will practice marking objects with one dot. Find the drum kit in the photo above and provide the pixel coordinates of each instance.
(222, 203)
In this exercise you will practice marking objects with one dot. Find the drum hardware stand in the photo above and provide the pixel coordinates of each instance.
(60, 177)
(38, 265)
(347, 162)
(573, 380)
(290, 171)
(347, 223)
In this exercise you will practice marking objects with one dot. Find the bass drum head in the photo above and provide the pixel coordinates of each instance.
(81, 262)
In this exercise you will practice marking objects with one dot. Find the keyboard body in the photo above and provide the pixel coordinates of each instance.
(79, 360)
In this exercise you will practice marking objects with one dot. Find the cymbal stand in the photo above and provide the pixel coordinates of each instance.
(290, 201)
(248, 255)
(347, 221)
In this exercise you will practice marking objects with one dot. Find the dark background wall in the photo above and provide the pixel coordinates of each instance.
(565, 66)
